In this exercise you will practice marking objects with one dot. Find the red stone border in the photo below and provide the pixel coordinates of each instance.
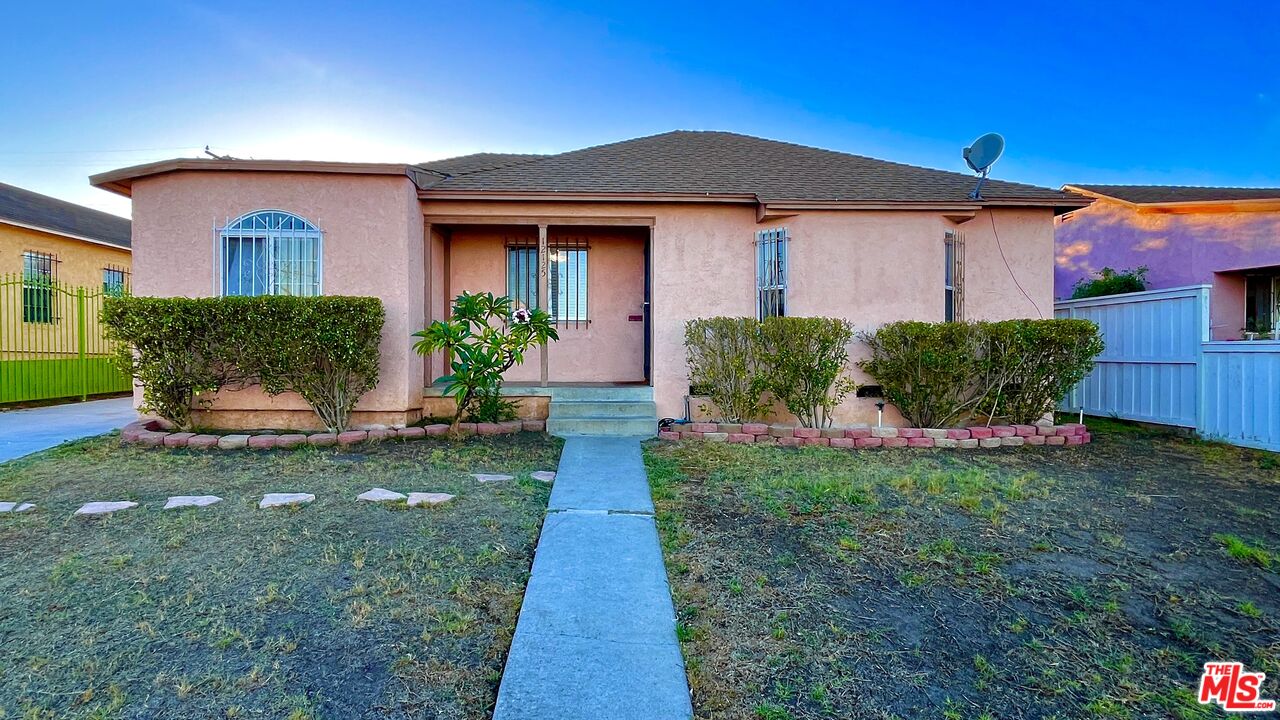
(869, 437)
(152, 434)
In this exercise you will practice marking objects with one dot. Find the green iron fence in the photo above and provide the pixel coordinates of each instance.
(52, 342)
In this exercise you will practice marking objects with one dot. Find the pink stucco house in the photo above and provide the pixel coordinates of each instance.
(1225, 237)
(623, 243)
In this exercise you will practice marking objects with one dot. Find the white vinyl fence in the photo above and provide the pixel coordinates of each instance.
(1160, 367)
(1240, 390)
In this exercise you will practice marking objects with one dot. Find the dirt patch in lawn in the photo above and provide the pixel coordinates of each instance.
(337, 609)
(1069, 583)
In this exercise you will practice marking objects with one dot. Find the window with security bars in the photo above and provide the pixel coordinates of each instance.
(270, 252)
(115, 280)
(771, 273)
(39, 278)
(953, 278)
(567, 270)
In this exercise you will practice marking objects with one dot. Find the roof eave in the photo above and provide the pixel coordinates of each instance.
(926, 204)
(65, 234)
(1210, 205)
(1059, 204)
(121, 181)
(580, 196)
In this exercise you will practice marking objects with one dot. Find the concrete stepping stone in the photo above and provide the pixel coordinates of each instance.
(10, 507)
(545, 476)
(488, 478)
(104, 508)
(380, 495)
(427, 499)
(183, 501)
(271, 500)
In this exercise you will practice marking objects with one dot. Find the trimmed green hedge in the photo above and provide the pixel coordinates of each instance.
(323, 348)
(798, 361)
(938, 374)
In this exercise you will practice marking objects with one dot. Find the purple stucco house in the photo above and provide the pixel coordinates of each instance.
(1225, 237)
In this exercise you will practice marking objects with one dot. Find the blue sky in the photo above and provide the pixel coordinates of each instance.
(1083, 92)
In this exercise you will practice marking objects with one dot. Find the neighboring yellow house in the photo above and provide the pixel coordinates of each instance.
(61, 241)
(58, 261)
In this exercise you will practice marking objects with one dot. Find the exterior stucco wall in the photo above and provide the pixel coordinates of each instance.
(1177, 248)
(608, 348)
(372, 246)
(869, 267)
(79, 263)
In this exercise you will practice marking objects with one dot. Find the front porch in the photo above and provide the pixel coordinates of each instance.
(592, 275)
(602, 408)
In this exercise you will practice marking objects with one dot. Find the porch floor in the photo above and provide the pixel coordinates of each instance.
(533, 387)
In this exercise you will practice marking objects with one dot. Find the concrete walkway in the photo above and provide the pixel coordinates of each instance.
(23, 432)
(596, 637)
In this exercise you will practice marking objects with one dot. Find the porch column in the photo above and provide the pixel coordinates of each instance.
(544, 289)
(428, 289)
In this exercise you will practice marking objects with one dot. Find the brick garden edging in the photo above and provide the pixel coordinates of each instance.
(151, 433)
(874, 437)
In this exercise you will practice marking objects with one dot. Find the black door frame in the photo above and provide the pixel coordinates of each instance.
(648, 307)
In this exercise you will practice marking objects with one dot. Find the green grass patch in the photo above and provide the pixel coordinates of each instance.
(1063, 582)
(335, 609)
(1245, 551)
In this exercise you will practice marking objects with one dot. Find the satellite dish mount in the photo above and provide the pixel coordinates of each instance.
(980, 156)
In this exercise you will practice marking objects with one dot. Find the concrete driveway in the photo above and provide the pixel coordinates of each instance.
(23, 432)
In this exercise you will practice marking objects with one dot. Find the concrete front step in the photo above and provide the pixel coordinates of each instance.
(590, 408)
(624, 410)
(615, 425)
(616, 392)
(601, 392)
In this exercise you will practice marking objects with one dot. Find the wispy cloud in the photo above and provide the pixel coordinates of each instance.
(264, 49)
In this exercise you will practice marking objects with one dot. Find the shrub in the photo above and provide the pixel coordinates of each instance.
(483, 338)
(1109, 282)
(938, 374)
(491, 408)
(927, 370)
(173, 346)
(721, 353)
(803, 361)
(1030, 365)
(323, 348)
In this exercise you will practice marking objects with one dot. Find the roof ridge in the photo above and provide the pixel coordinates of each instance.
(874, 159)
(526, 159)
(575, 151)
(523, 158)
(841, 153)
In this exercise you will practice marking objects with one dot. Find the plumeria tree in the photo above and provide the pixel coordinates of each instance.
(484, 338)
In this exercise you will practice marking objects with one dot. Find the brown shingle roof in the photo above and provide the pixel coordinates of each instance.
(722, 163)
(464, 164)
(61, 217)
(1150, 194)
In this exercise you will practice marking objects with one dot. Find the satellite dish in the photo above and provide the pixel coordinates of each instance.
(984, 152)
(980, 156)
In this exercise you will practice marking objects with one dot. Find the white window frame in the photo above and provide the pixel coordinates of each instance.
(273, 237)
(772, 261)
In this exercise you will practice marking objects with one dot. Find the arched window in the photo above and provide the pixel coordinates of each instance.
(270, 252)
